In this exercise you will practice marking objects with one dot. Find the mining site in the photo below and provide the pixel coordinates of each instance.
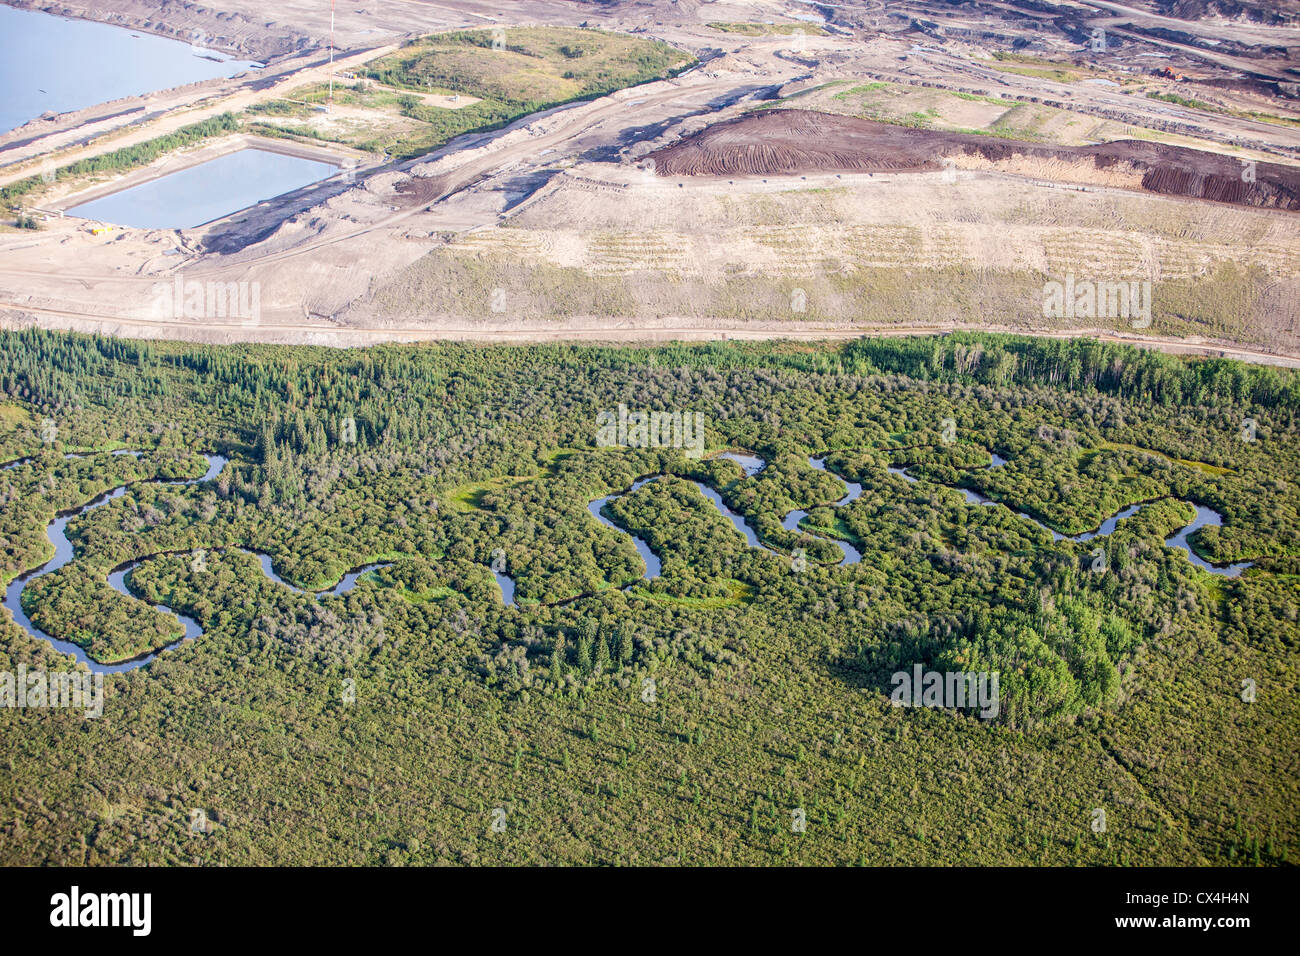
(654, 170)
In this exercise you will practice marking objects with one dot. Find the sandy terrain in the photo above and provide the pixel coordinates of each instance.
(562, 213)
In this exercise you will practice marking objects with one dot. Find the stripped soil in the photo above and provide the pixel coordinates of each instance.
(786, 142)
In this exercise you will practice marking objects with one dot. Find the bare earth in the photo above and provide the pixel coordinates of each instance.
(671, 211)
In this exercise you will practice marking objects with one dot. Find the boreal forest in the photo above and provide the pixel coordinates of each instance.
(398, 605)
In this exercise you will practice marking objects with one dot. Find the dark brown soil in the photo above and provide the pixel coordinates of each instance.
(787, 142)
(421, 190)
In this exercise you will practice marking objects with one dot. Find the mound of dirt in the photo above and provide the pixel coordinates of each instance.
(787, 142)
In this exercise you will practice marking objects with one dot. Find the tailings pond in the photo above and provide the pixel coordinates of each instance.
(199, 194)
(49, 64)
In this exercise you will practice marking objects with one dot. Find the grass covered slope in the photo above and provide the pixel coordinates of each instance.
(688, 717)
(530, 67)
(404, 102)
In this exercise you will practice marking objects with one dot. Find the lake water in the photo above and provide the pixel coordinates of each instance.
(205, 192)
(49, 64)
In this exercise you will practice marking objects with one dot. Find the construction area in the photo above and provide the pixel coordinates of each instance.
(653, 170)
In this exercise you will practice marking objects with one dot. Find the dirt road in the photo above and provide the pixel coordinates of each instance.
(597, 331)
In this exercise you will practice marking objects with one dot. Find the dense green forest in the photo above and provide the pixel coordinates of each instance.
(608, 718)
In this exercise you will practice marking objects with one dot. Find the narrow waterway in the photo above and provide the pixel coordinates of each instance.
(752, 465)
(854, 490)
(1205, 517)
(653, 566)
(63, 552)
(117, 578)
(346, 583)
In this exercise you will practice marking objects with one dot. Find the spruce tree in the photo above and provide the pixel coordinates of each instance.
(557, 659)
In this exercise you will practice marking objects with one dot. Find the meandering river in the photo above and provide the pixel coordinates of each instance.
(752, 465)
(1205, 516)
(63, 553)
(57, 533)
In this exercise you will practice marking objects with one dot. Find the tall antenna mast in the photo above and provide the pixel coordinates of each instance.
(331, 52)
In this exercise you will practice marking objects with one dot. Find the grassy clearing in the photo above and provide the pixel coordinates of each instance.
(507, 75)
(1227, 301)
(1056, 70)
(1207, 107)
(11, 416)
(500, 76)
(470, 497)
(1202, 466)
(952, 111)
(531, 67)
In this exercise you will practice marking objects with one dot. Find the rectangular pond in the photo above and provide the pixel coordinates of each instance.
(190, 197)
(51, 64)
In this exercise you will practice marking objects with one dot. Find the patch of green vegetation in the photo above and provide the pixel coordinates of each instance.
(468, 497)
(769, 29)
(12, 416)
(1273, 118)
(1056, 76)
(1204, 466)
(873, 87)
(1196, 104)
(1188, 102)
(520, 71)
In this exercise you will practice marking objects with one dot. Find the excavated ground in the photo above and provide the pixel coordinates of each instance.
(783, 142)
